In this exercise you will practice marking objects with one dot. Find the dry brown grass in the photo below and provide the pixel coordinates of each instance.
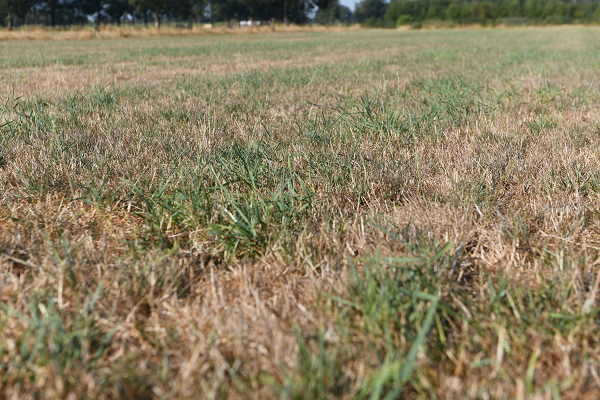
(134, 31)
(394, 145)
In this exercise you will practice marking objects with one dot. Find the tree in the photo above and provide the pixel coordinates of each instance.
(402, 12)
(334, 13)
(298, 10)
(225, 10)
(93, 8)
(52, 6)
(199, 10)
(115, 9)
(370, 9)
(100, 10)
(157, 7)
(185, 9)
(59, 11)
(14, 8)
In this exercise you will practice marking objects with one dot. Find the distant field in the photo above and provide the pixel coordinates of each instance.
(313, 215)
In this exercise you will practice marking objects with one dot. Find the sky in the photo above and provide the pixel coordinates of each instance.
(348, 3)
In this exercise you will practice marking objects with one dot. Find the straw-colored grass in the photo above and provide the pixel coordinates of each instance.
(353, 214)
(39, 32)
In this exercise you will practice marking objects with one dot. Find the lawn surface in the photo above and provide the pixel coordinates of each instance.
(353, 214)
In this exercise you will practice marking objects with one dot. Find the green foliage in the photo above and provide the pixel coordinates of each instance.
(14, 8)
(504, 11)
(370, 12)
(404, 19)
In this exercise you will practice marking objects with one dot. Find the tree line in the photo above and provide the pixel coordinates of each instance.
(376, 13)
(73, 12)
(511, 12)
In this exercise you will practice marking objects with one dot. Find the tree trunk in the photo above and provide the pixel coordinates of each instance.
(156, 20)
(53, 12)
(285, 13)
(9, 22)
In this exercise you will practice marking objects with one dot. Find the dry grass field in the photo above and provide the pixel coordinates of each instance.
(320, 215)
(34, 32)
